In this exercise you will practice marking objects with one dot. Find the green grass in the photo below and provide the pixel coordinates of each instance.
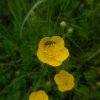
(23, 23)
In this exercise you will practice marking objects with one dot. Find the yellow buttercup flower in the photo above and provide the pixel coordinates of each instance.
(64, 80)
(38, 95)
(52, 51)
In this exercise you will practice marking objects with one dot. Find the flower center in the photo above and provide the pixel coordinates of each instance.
(65, 81)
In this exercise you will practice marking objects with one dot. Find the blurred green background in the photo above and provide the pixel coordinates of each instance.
(23, 23)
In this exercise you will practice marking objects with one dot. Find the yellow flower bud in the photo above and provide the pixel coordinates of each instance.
(63, 24)
(98, 84)
(70, 30)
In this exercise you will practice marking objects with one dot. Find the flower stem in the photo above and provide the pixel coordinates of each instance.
(44, 71)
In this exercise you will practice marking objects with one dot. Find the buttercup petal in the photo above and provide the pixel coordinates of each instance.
(59, 42)
(62, 54)
(54, 63)
(41, 56)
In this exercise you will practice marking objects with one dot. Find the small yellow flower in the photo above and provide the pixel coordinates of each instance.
(64, 80)
(38, 95)
(52, 51)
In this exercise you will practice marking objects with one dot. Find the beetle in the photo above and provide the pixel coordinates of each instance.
(49, 43)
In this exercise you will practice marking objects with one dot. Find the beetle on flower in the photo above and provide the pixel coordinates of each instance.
(52, 51)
